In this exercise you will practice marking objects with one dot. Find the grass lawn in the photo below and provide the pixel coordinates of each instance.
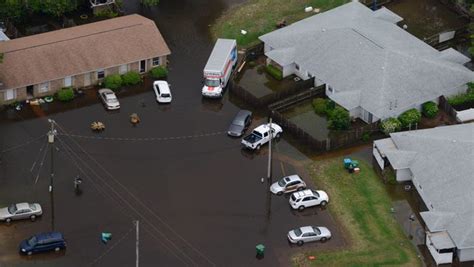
(258, 17)
(360, 203)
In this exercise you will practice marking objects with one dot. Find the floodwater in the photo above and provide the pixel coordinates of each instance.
(304, 116)
(426, 18)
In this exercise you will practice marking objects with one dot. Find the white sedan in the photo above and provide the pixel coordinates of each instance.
(20, 211)
(162, 91)
(307, 234)
(109, 99)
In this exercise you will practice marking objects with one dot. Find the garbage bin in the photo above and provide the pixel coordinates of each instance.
(355, 164)
(260, 249)
(347, 163)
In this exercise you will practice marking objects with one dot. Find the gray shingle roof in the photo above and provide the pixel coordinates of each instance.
(353, 48)
(442, 163)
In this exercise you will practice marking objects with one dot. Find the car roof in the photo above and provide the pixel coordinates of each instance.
(49, 235)
(105, 90)
(307, 229)
(265, 127)
(303, 193)
(242, 114)
(22, 205)
(294, 177)
(164, 88)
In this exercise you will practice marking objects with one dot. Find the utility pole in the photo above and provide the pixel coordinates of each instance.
(51, 135)
(136, 244)
(269, 170)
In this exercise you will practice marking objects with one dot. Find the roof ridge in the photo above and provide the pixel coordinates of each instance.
(74, 38)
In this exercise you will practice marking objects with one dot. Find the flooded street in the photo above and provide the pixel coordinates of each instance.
(197, 194)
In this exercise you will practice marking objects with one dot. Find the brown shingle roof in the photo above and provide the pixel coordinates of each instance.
(57, 54)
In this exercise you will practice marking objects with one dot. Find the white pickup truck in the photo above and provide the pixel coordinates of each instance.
(261, 135)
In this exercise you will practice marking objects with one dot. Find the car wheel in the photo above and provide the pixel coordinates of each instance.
(8, 220)
(300, 243)
(301, 208)
(277, 135)
(57, 249)
(324, 203)
(300, 188)
(33, 217)
(280, 193)
(324, 239)
(29, 253)
(258, 147)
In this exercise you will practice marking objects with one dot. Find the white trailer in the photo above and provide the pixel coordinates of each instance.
(219, 66)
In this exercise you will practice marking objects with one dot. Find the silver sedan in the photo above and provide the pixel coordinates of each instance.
(20, 211)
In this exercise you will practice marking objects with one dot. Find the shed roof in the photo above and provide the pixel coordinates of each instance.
(57, 54)
(353, 48)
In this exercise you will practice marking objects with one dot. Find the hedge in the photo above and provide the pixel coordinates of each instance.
(274, 72)
(320, 106)
(131, 78)
(390, 125)
(159, 72)
(430, 109)
(462, 98)
(409, 117)
(339, 119)
(66, 94)
(113, 82)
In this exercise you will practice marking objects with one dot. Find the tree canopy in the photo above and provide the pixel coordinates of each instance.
(16, 8)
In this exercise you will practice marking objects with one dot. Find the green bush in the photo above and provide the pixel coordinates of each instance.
(320, 106)
(330, 105)
(150, 3)
(159, 72)
(430, 109)
(274, 72)
(390, 125)
(113, 82)
(339, 119)
(107, 13)
(365, 136)
(131, 78)
(409, 117)
(463, 98)
(66, 94)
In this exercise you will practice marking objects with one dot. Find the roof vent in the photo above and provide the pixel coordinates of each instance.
(323, 29)
(454, 141)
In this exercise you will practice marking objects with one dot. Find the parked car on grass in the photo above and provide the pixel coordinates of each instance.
(288, 184)
(20, 211)
(109, 99)
(240, 123)
(261, 136)
(162, 91)
(307, 234)
(43, 242)
(308, 198)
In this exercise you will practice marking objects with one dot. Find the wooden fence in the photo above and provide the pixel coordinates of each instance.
(444, 105)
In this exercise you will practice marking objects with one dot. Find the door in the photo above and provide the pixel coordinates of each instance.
(87, 79)
(142, 66)
(29, 91)
(68, 81)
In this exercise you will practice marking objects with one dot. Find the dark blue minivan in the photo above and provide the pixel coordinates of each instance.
(43, 242)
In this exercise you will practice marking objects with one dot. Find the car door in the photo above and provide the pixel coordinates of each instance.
(21, 214)
(291, 186)
(248, 120)
(306, 237)
(265, 138)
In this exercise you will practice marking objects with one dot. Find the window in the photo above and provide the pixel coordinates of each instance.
(100, 73)
(156, 61)
(68, 81)
(297, 67)
(10, 94)
(123, 69)
(330, 89)
(43, 87)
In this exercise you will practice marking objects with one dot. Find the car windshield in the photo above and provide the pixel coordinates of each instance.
(165, 95)
(316, 230)
(315, 193)
(238, 122)
(32, 206)
(12, 209)
(297, 232)
(282, 182)
(293, 197)
(212, 83)
(32, 241)
(110, 97)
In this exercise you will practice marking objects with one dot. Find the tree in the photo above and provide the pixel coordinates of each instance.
(150, 2)
(339, 119)
(12, 9)
(56, 8)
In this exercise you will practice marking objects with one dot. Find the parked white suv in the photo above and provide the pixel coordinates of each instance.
(288, 184)
(308, 198)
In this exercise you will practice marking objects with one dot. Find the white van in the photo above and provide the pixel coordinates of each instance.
(162, 91)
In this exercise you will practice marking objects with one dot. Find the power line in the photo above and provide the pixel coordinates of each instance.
(144, 138)
(21, 145)
(139, 201)
(111, 247)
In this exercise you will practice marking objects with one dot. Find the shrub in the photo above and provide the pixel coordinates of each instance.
(150, 3)
(107, 13)
(365, 136)
(320, 106)
(463, 98)
(330, 105)
(159, 72)
(409, 117)
(274, 72)
(339, 119)
(390, 125)
(66, 94)
(113, 82)
(131, 78)
(430, 109)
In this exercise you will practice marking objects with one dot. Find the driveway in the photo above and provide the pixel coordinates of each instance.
(197, 195)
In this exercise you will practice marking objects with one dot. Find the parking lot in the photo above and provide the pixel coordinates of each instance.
(198, 196)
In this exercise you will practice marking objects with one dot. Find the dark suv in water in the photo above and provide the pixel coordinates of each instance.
(43, 242)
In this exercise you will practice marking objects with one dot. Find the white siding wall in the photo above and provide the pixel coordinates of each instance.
(288, 70)
(403, 175)
(466, 254)
(355, 113)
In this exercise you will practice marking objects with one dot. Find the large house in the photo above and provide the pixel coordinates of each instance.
(439, 162)
(371, 66)
(80, 56)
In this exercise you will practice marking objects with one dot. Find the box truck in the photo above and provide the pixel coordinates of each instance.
(219, 66)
